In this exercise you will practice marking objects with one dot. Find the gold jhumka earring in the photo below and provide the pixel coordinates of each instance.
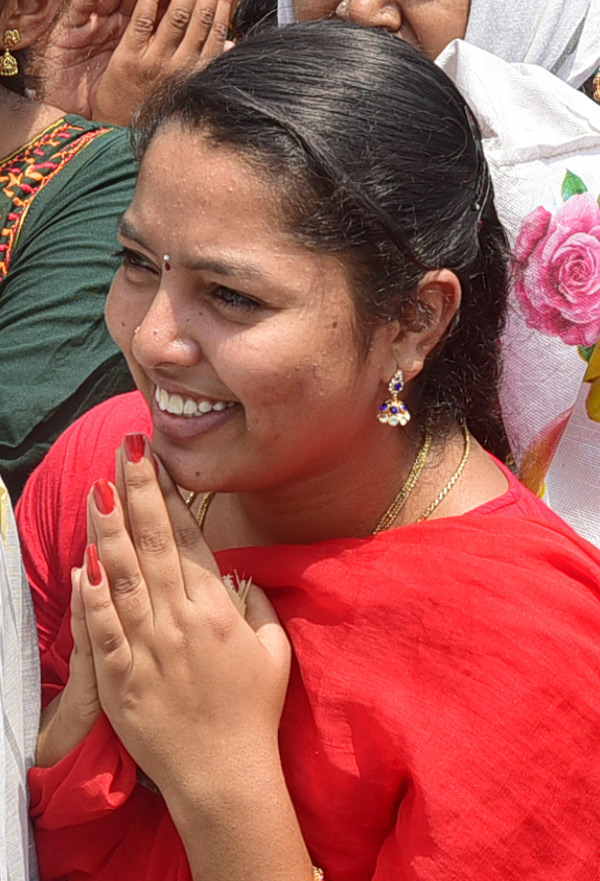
(9, 65)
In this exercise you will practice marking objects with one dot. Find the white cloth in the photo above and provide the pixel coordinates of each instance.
(563, 36)
(536, 129)
(19, 703)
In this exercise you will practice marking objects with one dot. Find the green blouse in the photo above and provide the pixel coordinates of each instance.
(61, 197)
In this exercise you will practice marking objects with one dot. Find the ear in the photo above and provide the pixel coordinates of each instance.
(32, 18)
(386, 14)
(438, 296)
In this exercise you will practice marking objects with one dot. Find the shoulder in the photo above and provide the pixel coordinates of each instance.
(90, 157)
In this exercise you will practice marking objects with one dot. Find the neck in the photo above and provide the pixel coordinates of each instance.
(25, 118)
(346, 502)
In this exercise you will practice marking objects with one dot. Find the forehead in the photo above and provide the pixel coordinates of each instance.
(186, 183)
(198, 202)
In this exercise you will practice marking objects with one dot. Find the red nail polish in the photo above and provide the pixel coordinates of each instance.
(135, 447)
(104, 496)
(93, 568)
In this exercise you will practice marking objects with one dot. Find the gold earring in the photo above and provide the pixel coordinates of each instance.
(394, 411)
(9, 65)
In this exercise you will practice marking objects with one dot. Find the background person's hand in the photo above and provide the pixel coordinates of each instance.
(104, 57)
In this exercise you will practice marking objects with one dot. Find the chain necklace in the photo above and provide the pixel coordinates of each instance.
(400, 498)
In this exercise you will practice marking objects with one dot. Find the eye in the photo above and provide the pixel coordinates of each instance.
(235, 300)
(133, 260)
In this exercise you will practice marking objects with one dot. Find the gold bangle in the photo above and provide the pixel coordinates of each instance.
(317, 874)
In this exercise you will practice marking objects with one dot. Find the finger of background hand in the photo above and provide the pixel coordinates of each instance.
(117, 555)
(110, 646)
(262, 618)
(141, 26)
(199, 569)
(151, 530)
(174, 25)
(208, 29)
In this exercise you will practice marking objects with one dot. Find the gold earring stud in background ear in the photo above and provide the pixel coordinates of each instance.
(8, 63)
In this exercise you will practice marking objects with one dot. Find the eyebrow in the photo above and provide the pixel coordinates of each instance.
(218, 266)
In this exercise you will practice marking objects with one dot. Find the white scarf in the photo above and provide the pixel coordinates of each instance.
(563, 36)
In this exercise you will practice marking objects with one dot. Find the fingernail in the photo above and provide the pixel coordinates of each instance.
(93, 568)
(135, 447)
(104, 496)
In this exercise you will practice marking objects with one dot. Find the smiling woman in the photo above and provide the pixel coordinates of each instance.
(333, 264)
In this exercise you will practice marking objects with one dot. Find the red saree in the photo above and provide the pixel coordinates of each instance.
(443, 714)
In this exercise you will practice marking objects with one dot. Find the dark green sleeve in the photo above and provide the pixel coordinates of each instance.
(56, 356)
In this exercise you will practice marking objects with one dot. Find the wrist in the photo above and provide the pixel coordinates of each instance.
(243, 819)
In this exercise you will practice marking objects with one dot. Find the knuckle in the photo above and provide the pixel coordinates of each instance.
(126, 584)
(186, 537)
(221, 623)
(154, 542)
(207, 16)
(220, 30)
(110, 643)
(180, 17)
(143, 25)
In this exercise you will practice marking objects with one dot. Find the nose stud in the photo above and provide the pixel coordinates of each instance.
(167, 261)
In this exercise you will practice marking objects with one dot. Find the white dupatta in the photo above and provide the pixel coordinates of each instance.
(562, 36)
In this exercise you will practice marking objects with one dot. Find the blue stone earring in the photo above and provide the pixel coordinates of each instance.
(394, 411)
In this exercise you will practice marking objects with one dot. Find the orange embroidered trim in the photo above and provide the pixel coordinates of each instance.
(24, 174)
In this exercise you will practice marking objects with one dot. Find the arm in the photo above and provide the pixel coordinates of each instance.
(193, 690)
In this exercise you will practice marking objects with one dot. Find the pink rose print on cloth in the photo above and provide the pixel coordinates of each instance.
(557, 270)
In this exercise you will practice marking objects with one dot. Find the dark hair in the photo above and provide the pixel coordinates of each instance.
(379, 160)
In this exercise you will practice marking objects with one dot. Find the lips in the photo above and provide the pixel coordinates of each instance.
(182, 405)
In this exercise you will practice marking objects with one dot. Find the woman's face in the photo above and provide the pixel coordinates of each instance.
(246, 351)
(428, 25)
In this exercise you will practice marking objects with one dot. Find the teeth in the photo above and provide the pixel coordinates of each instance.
(175, 405)
(179, 406)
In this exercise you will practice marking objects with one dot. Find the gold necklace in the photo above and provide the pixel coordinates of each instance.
(400, 498)
(388, 517)
(405, 490)
(446, 489)
(203, 508)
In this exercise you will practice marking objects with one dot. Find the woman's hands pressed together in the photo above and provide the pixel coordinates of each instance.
(181, 675)
(194, 691)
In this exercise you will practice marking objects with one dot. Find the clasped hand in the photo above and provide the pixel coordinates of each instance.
(185, 681)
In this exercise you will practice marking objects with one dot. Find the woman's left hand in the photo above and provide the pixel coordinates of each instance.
(186, 682)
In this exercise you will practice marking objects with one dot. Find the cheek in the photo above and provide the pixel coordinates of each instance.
(290, 372)
(314, 10)
(122, 315)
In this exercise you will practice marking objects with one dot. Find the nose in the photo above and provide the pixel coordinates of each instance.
(166, 335)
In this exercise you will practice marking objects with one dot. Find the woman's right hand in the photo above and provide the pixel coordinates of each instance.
(73, 713)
